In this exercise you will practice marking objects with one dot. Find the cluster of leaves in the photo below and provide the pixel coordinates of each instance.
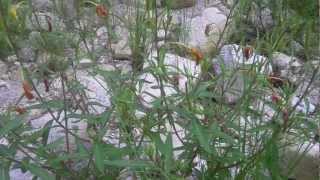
(10, 22)
(235, 140)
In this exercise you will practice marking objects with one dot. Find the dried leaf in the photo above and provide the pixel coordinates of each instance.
(197, 55)
(27, 90)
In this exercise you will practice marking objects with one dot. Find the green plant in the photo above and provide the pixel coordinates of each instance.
(167, 138)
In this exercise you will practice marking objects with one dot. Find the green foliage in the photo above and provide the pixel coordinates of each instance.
(235, 141)
(12, 21)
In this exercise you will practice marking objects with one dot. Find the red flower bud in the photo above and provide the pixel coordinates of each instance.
(101, 10)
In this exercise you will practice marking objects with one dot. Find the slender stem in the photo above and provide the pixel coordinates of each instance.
(65, 107)
(160, 80)
(218, 45)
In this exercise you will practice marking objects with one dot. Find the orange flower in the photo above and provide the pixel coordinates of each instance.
(27, 90)
(197, 55)
(101, 10)
(247, 52)
(20, 110)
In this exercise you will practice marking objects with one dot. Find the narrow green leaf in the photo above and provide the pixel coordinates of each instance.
(9, 42)
(56, 104)
(158, 142)
(54, 144)
(45, 133)
(10, 125)
(217, 133)
(128, 163)
(201, 135)
(38, 171)
(168, 153)
(4, 170)
(5, 151)
(272, 159)
(98, 156)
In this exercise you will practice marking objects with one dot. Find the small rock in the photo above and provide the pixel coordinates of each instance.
(233, 57)
(4, 84)
(314, 96)
(200, 163)
(9, 94)
(262, 18)
(181, 69)
(280, 60)
(17, 174)
(44, 21)
(211, 22)
(304, 106)
(70, 8)
(27, 54)
(231, 60)
(42, 5)
(297, 48)
(4, 141)
(112, 137)
(315, 63)
(85, 63)
(287, 67)
(121, 44)
(3, 68)
(90, 19)
(14, 73)
(94, 87)
(127, 174)
(102, 37)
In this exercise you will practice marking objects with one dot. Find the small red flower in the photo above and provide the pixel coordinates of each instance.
(27, 90)
(275, 98)
(20, 110)
(101, 10)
